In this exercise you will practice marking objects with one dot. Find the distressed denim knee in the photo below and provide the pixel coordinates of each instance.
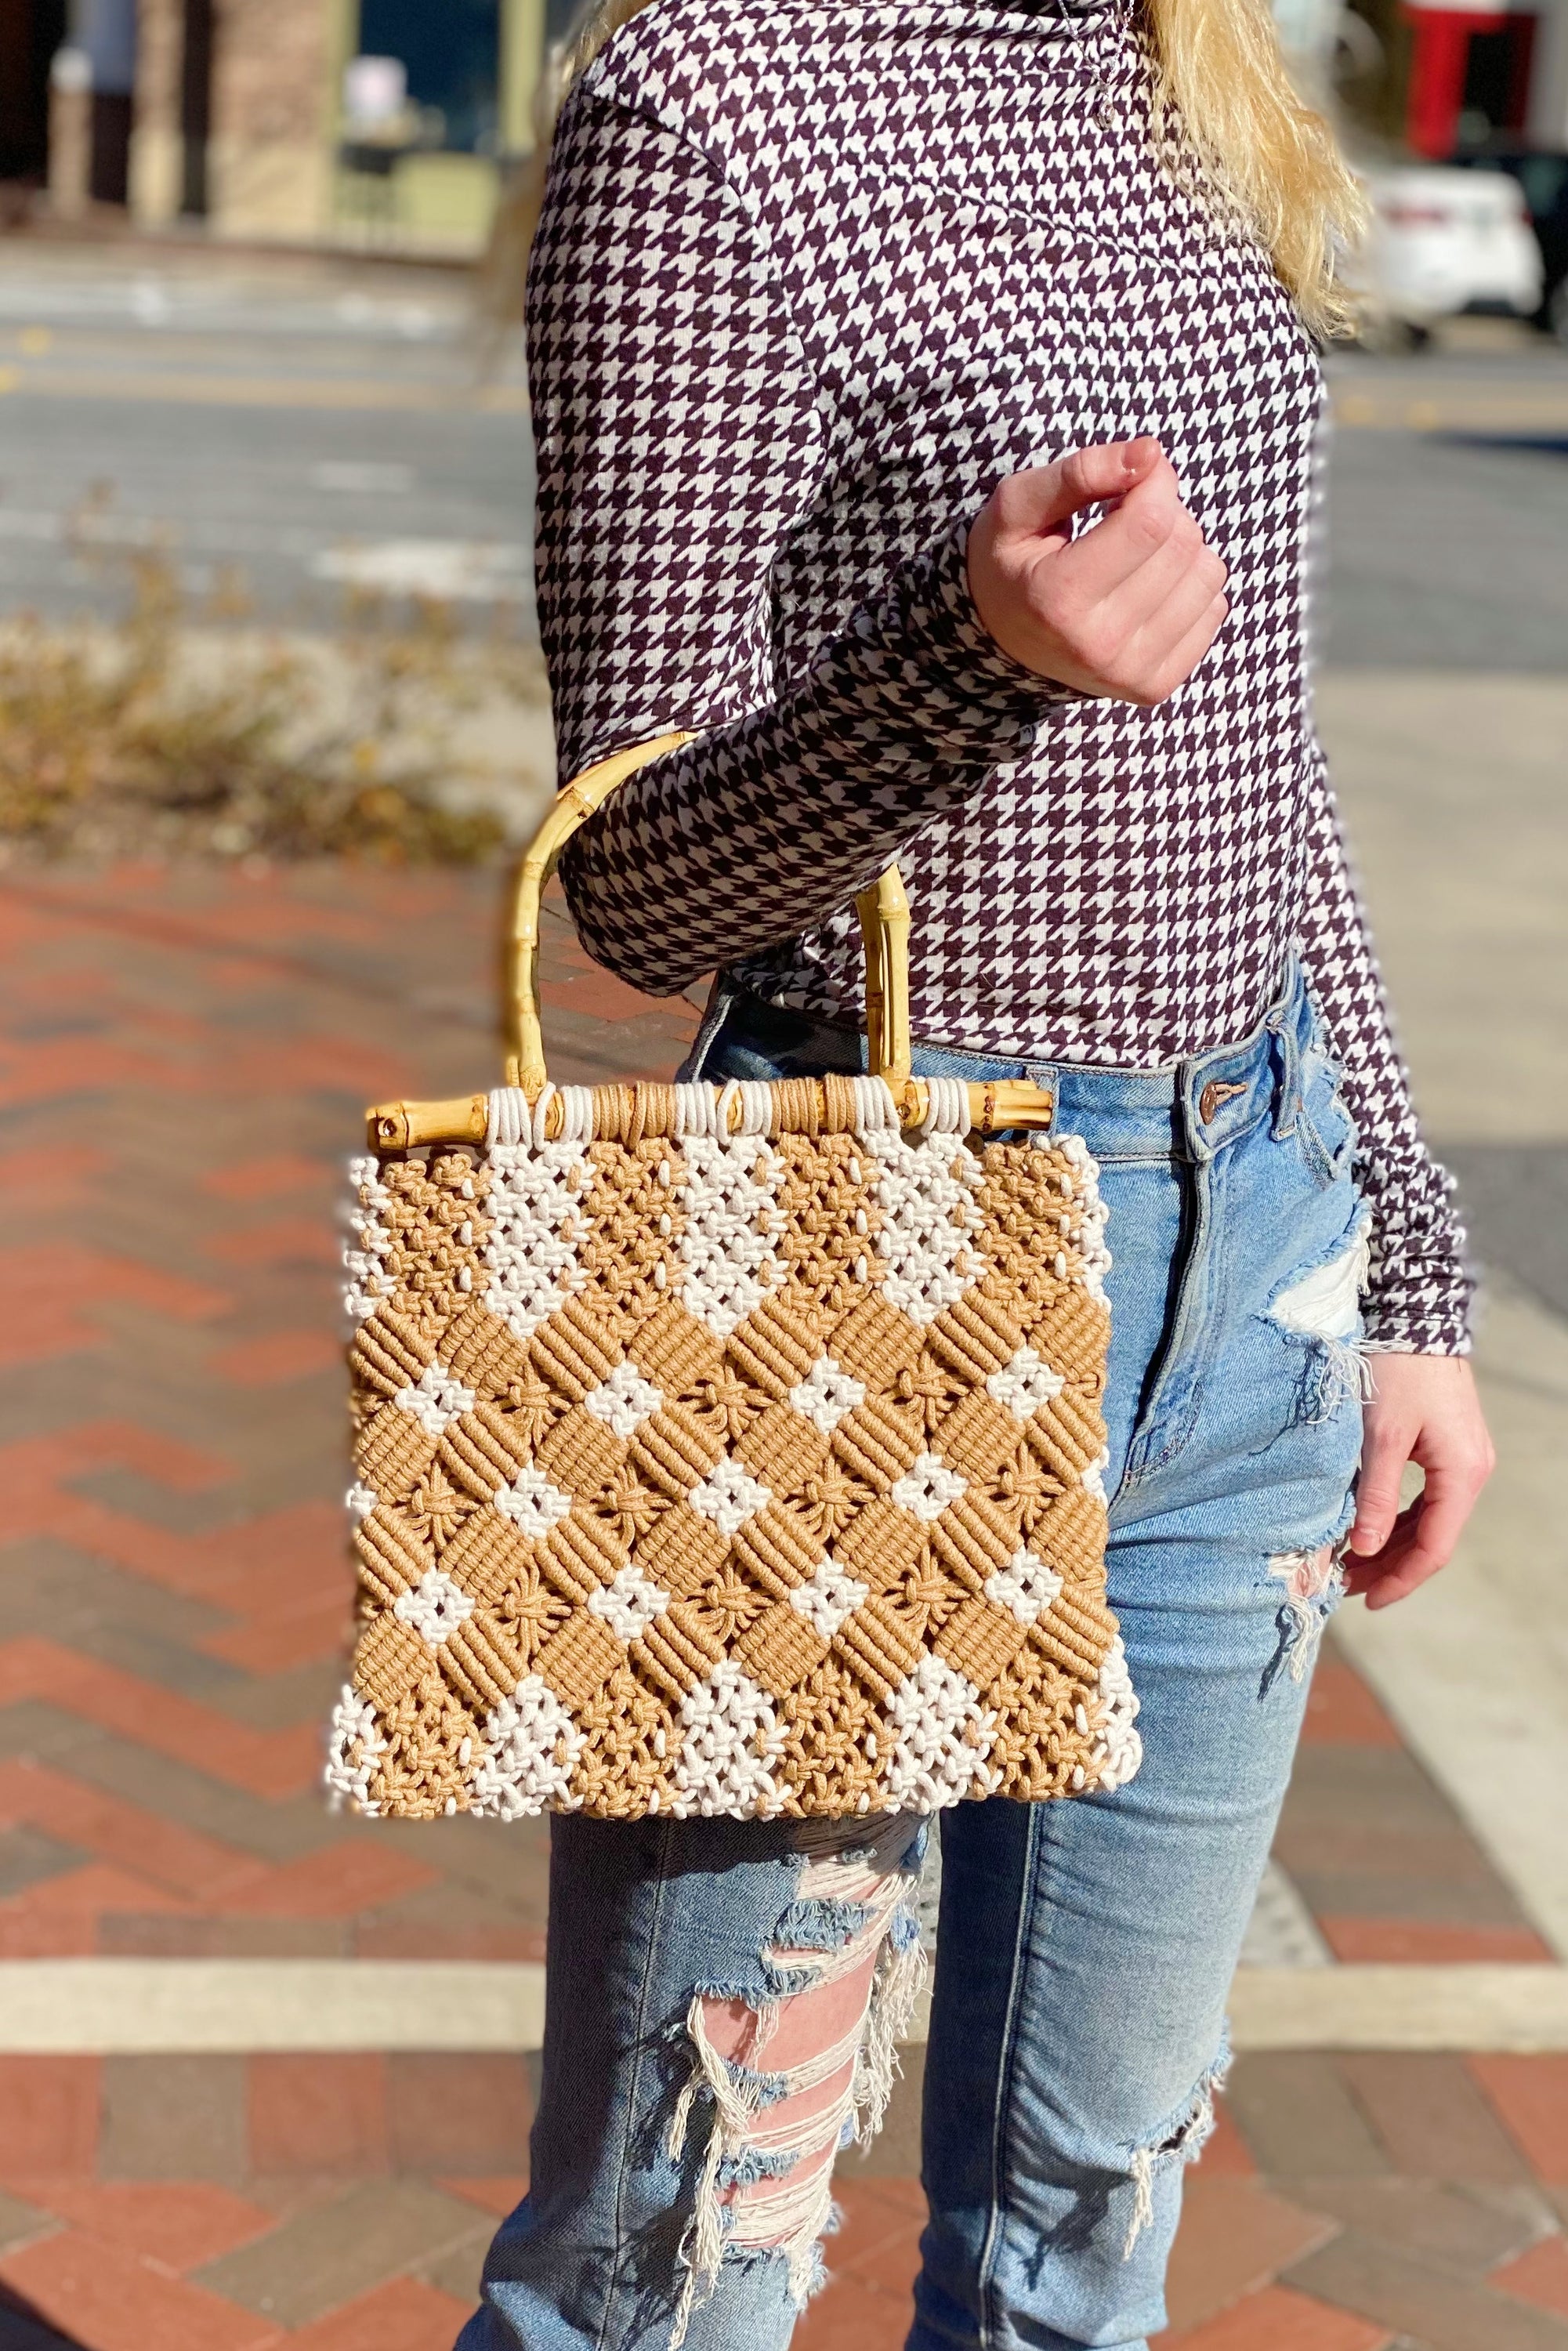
(732, 2085)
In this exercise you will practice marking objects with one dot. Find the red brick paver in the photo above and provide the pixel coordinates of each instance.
(1428, 2232)
(51, 2110)
(191, 1051)
(1531, 2094)
(175, 1590)
(404, 2315)
(55, 1296)
(92, 2289)
(1540, 2275)
(175, 2225)
(872, 2264)
(1279, 2320)
(319, 2113)
(499, 2194)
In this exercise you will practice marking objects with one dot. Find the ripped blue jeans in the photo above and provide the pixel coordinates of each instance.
(723, 1996)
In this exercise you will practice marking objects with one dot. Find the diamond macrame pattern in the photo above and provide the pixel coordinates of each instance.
(785, 1500)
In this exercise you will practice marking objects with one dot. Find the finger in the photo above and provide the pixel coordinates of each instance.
(1426, 1535)
(1037, 500)
(1184, 658)
(1385, 1448)
(1140, 529)
(1365, 1575)
(1362, 1572)
(1126, 584)
(1399, 1584)
(1437, 1521)
(1117, 470)
(1159, 606)
(1417, 1552)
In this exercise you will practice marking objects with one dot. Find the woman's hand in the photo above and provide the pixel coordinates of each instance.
(1424, 1409)
(1127, 611)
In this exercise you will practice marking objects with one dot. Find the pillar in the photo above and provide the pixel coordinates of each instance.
(1438, 78)
(157, 156)
(70, 133)
(522, 53)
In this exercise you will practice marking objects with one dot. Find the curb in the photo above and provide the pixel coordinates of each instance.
(117, 2007)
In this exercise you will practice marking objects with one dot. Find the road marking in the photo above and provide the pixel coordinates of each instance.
(120, 2007)
(114, 2007)
(362, 479)
(1392, 410)
(446, 568)
(1522, 412)
(83, 528)
(267, 391)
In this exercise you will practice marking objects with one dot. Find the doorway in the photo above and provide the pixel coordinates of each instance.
(195, 106)
(452, 56)
(1495, 93)
(30, 33)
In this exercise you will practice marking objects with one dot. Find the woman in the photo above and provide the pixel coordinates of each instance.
(926, 397)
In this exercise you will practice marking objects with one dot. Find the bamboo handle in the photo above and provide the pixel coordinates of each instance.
(570, 808)
(994, 1103)
(884, 912)
(402, 1125)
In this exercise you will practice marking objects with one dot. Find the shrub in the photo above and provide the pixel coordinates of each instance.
(115, 741)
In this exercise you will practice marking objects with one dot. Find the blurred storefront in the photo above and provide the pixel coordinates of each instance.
(1478, 70)
(1433, 76)
(385, 123)
(30, 33)
(389, 122)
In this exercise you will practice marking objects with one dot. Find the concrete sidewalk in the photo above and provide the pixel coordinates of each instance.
(186, 1057)
(1453, 793)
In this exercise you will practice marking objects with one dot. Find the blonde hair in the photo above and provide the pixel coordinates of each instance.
(1223, 102)
(1223, 96)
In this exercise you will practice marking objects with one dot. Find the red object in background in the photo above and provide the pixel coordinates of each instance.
(1443, 64)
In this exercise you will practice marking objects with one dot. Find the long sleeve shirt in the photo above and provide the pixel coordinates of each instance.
(813, 277)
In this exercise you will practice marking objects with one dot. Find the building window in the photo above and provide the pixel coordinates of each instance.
(452, 55)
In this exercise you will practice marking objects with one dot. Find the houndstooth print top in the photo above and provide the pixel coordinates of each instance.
(812, 276)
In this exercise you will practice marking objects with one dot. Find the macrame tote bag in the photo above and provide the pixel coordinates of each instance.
(727, 1449)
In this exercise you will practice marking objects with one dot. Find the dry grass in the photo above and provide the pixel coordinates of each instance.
(113, 742)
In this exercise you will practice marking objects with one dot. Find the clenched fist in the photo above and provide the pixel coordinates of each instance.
(1129, 609)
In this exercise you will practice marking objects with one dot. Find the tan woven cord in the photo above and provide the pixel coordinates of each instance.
(754, 1474)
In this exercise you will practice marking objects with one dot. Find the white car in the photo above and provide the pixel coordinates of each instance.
(1443, 241)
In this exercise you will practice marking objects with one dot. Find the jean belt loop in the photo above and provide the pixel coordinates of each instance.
(721, 998)
(1287, 1064)
(1194, 1143)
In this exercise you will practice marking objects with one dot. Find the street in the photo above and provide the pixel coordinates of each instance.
(1447, 538)
(304, 429)
(310, 427)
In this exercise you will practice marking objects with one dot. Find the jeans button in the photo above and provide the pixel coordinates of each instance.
(1215, 1092)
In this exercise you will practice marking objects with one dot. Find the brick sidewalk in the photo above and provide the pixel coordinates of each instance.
(1368, 2203)
(186, 1058)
